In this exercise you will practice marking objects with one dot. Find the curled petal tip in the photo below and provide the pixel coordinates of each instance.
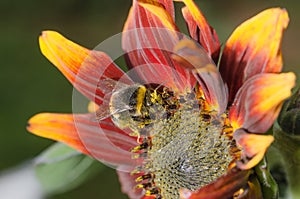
(48, 40)
(45, 33)
(253, 148)
(284, 17)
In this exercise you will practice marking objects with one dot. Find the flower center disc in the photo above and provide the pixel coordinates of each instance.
(187, 150)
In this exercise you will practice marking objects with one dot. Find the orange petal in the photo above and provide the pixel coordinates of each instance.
(191, 55)
(259, 101)
(101, 140)
(223, 187)
(60, 128)
(200, 30)
(82, 67)
(253, 48)
(149, 37)
(253, 148)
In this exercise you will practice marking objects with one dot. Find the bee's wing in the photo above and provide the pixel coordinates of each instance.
(109, 87)
(193, 57)
(103, 112)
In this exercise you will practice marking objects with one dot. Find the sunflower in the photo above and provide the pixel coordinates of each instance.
(176, 125)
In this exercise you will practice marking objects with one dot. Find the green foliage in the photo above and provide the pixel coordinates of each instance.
(288, 149)
(268, 184)
(287, 143)
(289, 119)
(61, 168)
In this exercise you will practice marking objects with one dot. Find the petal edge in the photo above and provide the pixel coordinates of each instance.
(82, 67)
(103, 141)
(259, 100)
(253, 48)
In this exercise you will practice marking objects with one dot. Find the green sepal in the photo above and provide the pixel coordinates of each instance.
(268, 185)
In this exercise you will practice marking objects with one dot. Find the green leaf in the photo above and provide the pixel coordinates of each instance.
(287, 145)
(61, 168)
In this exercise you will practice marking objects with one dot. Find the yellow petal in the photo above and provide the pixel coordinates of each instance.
(253, 48)
(253, 148)
(59, 127)
(259, 100)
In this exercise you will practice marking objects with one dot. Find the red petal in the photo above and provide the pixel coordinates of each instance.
(200, 30)
(223, 187)
(128, 185)
(253, 48)
(149, 37)
(169, 6)
(103, 140)
(84, 68)
(259, 101)
(196, 59)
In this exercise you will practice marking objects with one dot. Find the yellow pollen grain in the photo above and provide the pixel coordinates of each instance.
(188, 151)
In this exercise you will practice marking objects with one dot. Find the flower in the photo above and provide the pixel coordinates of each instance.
(186, 129)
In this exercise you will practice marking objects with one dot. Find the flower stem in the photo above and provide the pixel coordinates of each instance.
(289, 148)
(268, 184)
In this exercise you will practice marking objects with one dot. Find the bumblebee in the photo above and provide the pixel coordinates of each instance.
(137, 106)
(127, 104)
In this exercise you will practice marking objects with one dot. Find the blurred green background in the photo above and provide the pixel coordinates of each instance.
(30, 84)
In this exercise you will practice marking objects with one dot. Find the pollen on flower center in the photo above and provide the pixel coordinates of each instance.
(184, 149)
